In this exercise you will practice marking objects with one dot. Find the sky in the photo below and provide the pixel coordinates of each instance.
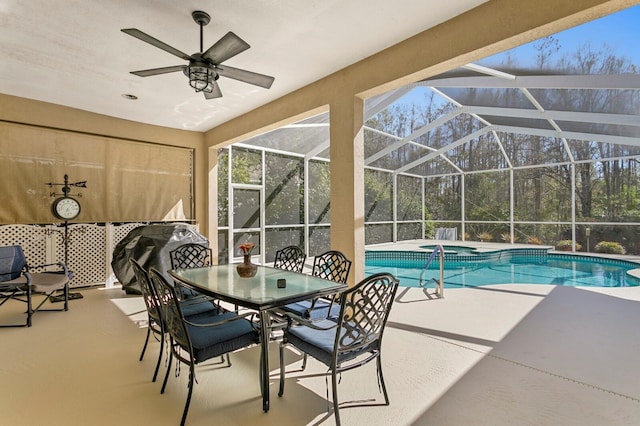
(620, 31)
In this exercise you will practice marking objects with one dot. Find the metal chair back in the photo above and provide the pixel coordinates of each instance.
(332, 265)
(364, 311)
(290, 258)
(190, 255)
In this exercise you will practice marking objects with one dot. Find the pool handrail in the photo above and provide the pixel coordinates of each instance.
(439, 284)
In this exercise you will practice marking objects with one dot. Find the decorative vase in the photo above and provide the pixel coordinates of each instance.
(246, 269)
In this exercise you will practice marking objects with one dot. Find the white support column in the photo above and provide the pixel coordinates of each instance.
(422, 198)
(108, 246)
(230, 208)
(462, 208)
(212, 207)
(394, 178)
(511, 204)
(573, 206)
(263, 209)
(306, 205)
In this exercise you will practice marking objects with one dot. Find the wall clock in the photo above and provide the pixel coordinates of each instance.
(65, 208)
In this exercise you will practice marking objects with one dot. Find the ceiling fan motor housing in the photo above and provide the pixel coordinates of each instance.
(201, 18)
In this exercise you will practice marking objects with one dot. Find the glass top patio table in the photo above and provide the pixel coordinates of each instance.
(260, 293)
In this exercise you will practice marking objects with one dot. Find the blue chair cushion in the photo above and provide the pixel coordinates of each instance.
(209, 342)
(320, 309)
(192, 308)
(12, 262)
(320, 343)
(187, 293)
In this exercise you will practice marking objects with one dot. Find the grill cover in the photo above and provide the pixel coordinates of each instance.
(150, 245)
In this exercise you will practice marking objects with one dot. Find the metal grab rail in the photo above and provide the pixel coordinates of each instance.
(439, 284)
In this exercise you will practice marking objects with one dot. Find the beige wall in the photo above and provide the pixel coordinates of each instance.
(488, 29)
(52, 122)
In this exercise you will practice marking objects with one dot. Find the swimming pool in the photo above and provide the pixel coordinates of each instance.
(468, 268)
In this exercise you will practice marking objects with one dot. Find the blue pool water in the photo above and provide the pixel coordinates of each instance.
(465, 268)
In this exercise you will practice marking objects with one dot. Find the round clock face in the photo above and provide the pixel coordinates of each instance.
(65, 208)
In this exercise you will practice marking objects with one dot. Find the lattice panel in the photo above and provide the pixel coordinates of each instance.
(32, 238)
(87, 253)
(90, 247)
(121, 231)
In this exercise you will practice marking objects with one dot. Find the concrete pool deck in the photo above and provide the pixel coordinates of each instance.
(511, 354)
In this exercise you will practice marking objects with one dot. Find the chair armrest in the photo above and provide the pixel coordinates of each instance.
(225, 321)
(195, 300)
(333, 299)
(62, 268)
(303, 321)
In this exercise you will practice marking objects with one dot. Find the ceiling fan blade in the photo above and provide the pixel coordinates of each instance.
(227, 47)
(156, 71)
(215, 94)
(245, 76)
(155, 42)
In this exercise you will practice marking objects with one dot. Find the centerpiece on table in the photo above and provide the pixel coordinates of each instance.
(246, 269)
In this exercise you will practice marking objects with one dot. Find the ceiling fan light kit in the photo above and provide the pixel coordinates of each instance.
(201, 77)
(204, 67)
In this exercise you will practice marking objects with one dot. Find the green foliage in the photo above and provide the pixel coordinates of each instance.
(506, 237)
(534, 240)
(609, 247)
(485, 236)
(567, 245)
(409, 195)
(223, 187)
(378, 190)
(430, 229)
(284, 190)
(247, 166)
(319, 192)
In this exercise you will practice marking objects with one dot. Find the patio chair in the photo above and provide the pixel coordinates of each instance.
(155, 322)
(199, 338)
(290, 258)
(333, 266)
(190, 255)
(350, 341)
(19, 281)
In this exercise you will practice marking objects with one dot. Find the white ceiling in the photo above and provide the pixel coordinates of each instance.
(72, 52)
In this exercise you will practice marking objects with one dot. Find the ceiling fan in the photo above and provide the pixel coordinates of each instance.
(205, 67)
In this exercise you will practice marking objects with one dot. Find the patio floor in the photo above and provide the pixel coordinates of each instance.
(495, 355)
